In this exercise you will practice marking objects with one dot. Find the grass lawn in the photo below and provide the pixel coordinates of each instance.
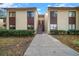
(14, 46)
(70, 40)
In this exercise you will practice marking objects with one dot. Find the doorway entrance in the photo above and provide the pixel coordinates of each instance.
(40, 26)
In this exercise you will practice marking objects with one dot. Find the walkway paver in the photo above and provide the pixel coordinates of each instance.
(46, 45)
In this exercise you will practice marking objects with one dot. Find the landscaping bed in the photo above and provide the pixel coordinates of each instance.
(70, 40)
(15, 42)
(14, 46)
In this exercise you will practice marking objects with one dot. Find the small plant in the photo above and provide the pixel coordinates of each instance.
(76, 42)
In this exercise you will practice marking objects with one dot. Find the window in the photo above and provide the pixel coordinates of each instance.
(72, 20)
(72, 26)
(30, 27)
(53, 13)
(72, 13)
(12, 14)
(53, 26)
(12, 20)
(30, 14)
(30, 20)
(12, 26)
(53, 20)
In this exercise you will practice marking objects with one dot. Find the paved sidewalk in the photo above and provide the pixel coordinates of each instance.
(45, 45)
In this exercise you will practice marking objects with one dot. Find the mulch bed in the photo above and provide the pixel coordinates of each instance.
(17, 49)
(68, 40)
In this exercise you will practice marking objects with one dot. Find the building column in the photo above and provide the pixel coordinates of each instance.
(7, 21)
(48, 22)
(36, 21)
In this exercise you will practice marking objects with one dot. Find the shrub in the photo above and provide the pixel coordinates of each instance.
(76, 42)
(16, 32)
(62, 32)
(73, 32)
(56, 32)
(53, 32)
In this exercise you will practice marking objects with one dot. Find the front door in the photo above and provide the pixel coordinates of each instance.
(40, 26)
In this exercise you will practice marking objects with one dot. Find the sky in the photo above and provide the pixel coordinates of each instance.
(41, 7)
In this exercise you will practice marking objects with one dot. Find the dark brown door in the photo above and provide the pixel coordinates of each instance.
(40, 26)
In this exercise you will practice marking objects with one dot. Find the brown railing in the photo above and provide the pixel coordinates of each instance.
(30, 21)
(12, 20)
(72, 20)
(53, 20)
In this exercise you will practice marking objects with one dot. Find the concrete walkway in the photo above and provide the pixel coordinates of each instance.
(45, 45)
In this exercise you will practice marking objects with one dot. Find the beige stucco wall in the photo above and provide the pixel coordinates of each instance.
(7, 21)
(40, 18)
(36, 21)
(1, 24)
(62, 20)
(47, 22)
(77, 20)
(21, 20)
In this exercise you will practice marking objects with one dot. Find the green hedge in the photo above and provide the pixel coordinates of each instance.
(16, 33)
(53, 32)
(62, 32)
(57, 32)
(73, 32)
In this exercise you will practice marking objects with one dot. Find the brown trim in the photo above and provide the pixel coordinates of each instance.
(40, 16)
(30, 20)
(53, 19)
(63, 8)
(12, 20)
(72, 20)
(20, 9)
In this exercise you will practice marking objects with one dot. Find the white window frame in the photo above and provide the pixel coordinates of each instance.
(72, 13)
(53, 26)
(54, 14)
(32, 14)
(72, 26)
(12, 14)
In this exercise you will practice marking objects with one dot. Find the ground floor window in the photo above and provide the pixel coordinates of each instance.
(53, 26)
(12, 26)
(12, 22)
(72, 26)
(30, 27)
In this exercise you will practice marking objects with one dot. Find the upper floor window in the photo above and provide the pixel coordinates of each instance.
(72, 13)
(30, 14)
(12, 14)
(53, 13)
